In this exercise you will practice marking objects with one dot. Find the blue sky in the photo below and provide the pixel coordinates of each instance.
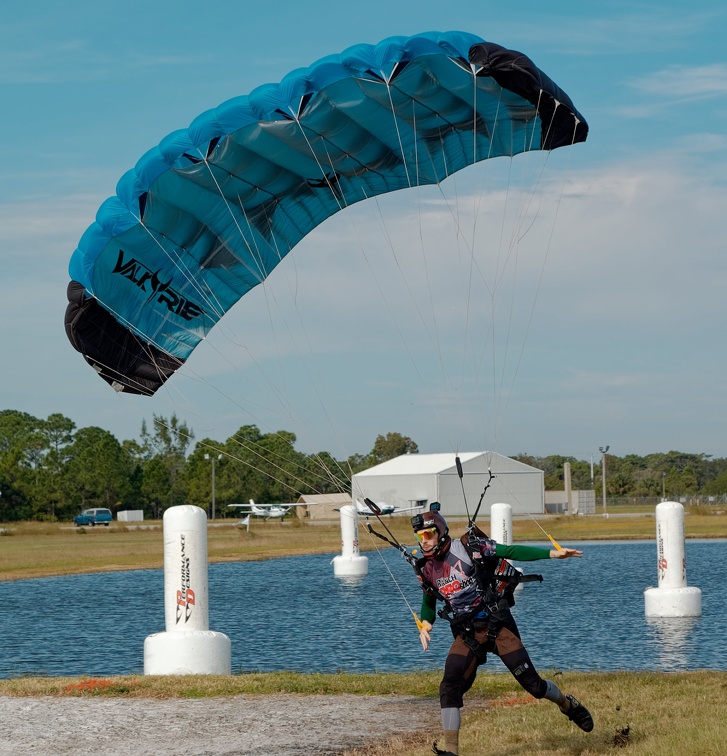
(615, 332)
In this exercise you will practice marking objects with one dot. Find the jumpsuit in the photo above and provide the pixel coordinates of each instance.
(481, 623)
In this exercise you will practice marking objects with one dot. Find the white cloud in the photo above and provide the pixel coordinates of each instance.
(640, 31)
(680, 82)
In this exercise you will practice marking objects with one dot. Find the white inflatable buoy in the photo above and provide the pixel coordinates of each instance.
(501, 523)
(501, 529)
(672, 598)
(188, 647)
(350, 561)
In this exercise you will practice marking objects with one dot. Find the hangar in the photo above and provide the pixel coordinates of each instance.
(416, 480)
(321, 506)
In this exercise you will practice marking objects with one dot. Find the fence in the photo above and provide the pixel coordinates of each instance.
(689, 500)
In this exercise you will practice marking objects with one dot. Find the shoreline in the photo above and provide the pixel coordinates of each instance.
(57, 555)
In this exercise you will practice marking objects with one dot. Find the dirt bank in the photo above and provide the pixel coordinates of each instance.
(280, 725)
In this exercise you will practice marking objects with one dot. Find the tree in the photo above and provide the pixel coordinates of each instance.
(672, 484)
(57, 432)
(390, 446)
(157, 486)
(688, 480)
(135, 456)
(13, 504)
(165, 447)
(15, 429)
(717, 486)
(18, 438)
(618, 483)
(356, 463)
(32, 458)
(170, 438)
(264, 467)
(647, 483)
(97, 472)
(325, 474)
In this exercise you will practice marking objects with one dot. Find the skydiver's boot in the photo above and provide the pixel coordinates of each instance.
(569, 705)
(439, 752)
(578, 713)
(451, 744)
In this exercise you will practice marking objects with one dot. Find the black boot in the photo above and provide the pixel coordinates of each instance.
(441, 753)
(579, 714)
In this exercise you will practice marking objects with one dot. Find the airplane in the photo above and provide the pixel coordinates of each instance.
(362, 510)
(266, 511)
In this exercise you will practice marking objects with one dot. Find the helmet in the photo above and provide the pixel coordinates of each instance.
(432, 519)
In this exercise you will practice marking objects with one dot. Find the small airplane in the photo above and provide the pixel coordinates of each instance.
(384, 509)
(266, 511)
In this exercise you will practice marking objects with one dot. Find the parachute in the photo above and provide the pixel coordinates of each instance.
(208, 214)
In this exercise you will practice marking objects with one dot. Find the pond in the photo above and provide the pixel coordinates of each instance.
(293, 614)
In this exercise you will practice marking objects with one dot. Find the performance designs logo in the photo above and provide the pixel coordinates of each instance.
(185, 596)
(159, 291)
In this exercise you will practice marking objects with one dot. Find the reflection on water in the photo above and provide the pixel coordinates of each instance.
(351, 581)
(673, 639)
(293, 614)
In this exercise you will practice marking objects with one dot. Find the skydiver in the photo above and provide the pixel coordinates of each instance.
(478, 610)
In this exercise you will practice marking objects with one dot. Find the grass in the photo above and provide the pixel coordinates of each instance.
(31, 549)
(646, 713)
(423, 684)
(39, 549)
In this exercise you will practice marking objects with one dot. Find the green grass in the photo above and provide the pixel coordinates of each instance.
(423, 684)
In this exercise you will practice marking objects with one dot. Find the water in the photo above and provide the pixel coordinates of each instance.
(293, 614)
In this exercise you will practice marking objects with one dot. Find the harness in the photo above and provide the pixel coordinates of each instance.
(496, 589)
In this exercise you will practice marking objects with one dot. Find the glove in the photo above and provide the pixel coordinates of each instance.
(424, 634)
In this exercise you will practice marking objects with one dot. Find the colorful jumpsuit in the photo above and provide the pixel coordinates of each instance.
(480, 622)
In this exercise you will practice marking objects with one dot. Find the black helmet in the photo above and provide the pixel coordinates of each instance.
(432, 519)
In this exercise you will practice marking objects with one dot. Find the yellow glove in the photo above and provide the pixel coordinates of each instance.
(424, 629)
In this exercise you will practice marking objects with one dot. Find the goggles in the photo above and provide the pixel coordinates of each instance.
(427, 532)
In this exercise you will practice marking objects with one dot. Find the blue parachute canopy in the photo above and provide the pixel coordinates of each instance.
(206, 216)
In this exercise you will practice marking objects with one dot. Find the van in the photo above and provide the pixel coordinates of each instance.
(93, 517)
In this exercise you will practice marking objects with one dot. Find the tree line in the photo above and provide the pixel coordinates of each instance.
(51, 470)
(670, 474)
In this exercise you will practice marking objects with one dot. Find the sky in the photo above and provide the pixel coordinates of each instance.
(608, 329)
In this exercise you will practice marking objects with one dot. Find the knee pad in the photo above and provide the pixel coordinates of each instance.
(450, 695)
(531, 681)
(525, 673)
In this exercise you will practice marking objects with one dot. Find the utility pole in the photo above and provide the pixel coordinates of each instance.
(591, 469)
(213, 460)
(603, 450)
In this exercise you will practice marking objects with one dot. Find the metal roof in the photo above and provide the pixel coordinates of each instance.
(429, 464)
(338, 499)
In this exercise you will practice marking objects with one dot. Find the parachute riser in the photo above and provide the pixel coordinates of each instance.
(472, 520)
(404, 551)
(393, 541)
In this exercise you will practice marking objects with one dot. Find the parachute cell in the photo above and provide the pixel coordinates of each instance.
(207, 214)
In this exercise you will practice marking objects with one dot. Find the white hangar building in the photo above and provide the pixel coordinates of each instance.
(419, 479)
